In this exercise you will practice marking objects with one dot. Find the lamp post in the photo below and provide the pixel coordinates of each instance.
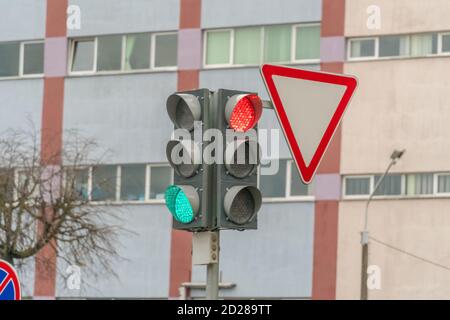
(396, 155)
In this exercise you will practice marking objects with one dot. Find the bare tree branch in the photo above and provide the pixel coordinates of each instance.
(45, 202)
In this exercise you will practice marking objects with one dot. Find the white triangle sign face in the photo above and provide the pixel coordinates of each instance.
(309, 106)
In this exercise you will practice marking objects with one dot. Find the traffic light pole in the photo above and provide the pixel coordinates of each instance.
(212, 274)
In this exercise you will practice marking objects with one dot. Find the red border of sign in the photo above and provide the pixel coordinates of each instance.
(268, 71)
(15, 279)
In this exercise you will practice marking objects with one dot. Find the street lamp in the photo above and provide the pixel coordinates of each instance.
(396, 155)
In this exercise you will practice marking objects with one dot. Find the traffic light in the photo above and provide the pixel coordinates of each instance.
(187, 199)
(238, 198)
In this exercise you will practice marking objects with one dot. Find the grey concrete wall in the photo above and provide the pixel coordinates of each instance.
(143, 270)
(125, 114)
(21, 104)
(119, 16)
(274, 261)
(219, 13)
(25, 20)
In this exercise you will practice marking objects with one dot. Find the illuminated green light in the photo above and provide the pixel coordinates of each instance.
(178, 204)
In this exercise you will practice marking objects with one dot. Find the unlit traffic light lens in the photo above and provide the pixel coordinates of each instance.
(184, 157)
(184, 110)
(242, 158)
(241, 203)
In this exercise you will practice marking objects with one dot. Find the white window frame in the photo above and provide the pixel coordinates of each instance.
(122, 58)
(94, 71)
(390, 196)
(287, 197)
(20, 74)
(294, 43)
(119, 185)
(124, 48)
(408, 47)
(148, 182)
(436, 185)
(426, 55)
(290, 61)
(428, 195)
(349, 49)
(22, 60)
(153, 52)
(117, 191)
(89, 182)
(357, 196)
(72, 56)
(261, 53)
(439, 49)
(205, 46)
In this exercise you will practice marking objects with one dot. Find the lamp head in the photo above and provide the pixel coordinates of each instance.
(397, 154)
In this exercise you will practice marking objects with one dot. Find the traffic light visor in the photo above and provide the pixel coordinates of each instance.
(184, 109)
(184, 157)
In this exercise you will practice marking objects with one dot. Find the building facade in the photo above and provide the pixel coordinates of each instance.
(109, 77)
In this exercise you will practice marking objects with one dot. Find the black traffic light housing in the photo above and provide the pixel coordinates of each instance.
(189, 111)
(238, 197)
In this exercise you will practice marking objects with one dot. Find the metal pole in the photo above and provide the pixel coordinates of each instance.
(212, 273)
(365, 237)
(364, 266)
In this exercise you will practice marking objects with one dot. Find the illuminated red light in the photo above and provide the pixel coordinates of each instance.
(244, 117)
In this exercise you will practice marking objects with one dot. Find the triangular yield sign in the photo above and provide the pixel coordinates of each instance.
(309, 106)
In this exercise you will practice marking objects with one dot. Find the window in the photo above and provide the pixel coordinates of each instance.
(356, 186)
(255, 45)
(307, 42)
(117, 53)
(412, 45)
(165, 50)
(297, 187)
(247, 45)
(160, 179)
(390, 186)
(417, 184)
(277, 43)
(9, 59)
(109, 54)
(24, 184)
(83, 55)
(137, 52)
(132, 182)
(362, 48)
(218, 44)
(81, 183)
(423, 44)
(6, 185)
(33, 58)
(445, 43)
(104, 180)
(443, 183)
(393, 46)
(274, 186)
